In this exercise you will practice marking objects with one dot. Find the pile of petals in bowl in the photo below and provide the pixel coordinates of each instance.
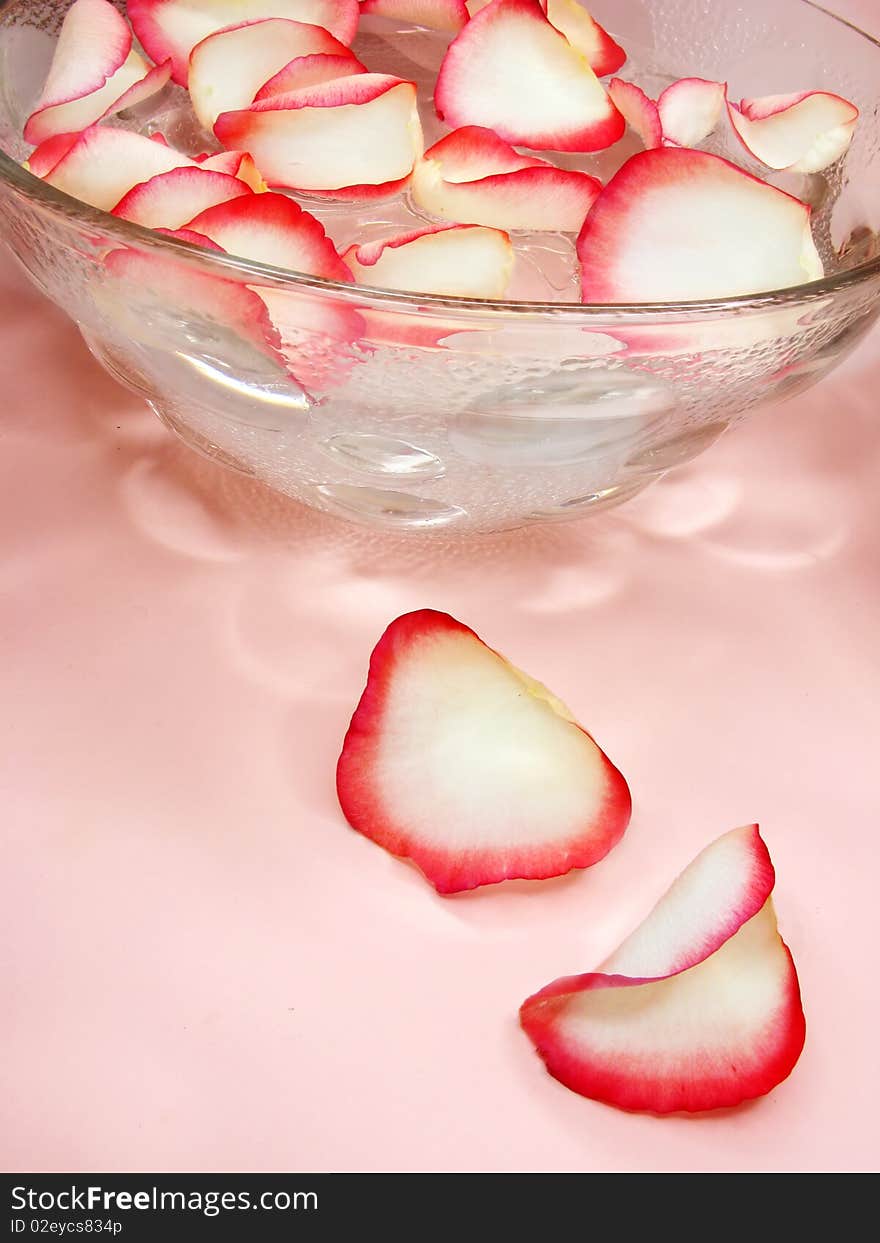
(476, 773)
(292, 109)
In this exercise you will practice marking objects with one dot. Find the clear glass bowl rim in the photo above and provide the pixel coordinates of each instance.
(250, 272)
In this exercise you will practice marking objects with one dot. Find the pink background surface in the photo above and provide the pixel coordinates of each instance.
(205, 969)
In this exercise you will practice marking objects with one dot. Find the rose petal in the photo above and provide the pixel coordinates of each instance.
(510, 70)
(170, 29)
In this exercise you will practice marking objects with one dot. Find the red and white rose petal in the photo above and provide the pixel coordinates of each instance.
(698, 1009)
(510, 70)
(170, 29)
(638, 110)
(448, 15)
(586, 35)
(170, 200)
(272, 229)
(455, 260)
(678, 225)
(690, 109)
(803, 133)
(473, 177)
(350, 136)
(473, 770)
(228, 68)
(93, 73)
(102, 164)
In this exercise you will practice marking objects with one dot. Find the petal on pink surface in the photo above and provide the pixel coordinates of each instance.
(698, 1009)
(471, 769)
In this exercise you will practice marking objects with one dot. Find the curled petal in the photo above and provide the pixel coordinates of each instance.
(698, 1009)
(803, 133)
(586, 35)
(237, 164)
(310, 71)
(640, 112)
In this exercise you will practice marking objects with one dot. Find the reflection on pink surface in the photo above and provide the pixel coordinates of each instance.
(206, 969)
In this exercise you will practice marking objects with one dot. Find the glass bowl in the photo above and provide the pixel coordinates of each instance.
(415, 413)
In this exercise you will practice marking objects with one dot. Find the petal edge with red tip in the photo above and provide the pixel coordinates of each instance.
(228, 68)
(170, 200)
(474, 771)
(698, 1009)
(271, 228)
(311, 70)
(170, 29)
